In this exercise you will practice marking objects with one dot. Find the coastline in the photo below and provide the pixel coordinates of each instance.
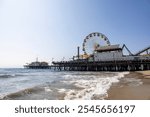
(126, 91)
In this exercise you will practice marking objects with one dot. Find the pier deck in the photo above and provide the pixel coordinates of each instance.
(119, 65)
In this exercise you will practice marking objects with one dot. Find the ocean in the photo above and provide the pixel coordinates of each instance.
(45, 84)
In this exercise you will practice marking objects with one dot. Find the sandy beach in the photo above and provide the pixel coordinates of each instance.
(125, 91)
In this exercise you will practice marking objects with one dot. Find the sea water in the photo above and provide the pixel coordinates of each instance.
(43, 84)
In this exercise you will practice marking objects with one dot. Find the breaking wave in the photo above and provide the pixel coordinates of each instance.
(21, 93)
(9, 75)
(91, 87)
(31, 84)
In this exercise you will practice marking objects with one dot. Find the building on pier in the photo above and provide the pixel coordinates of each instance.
(111, 52)
(37, 65)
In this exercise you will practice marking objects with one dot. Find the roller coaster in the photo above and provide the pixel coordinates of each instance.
(145, 51)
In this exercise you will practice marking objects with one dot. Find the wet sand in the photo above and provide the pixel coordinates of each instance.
(124, 91)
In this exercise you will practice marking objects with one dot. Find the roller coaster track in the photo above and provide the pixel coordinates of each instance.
(143, 50)
(124, 46)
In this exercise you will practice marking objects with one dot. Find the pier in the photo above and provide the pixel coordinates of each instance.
(105, 57)
(120, 65)
(37, 65)
(100, 56)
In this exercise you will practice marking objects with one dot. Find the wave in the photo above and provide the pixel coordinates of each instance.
(132, 81)
(91, 87)
(9, 75)
(21, 93)
(6, 76)
(86, 86)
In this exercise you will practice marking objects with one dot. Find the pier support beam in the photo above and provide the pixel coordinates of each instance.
(129, 68)
(87, 68)
(148, 67)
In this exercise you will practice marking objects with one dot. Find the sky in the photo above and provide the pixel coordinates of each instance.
(54, 28)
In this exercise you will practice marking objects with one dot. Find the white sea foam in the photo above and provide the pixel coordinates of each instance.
(47, 89)
(61, 90)
(1, 97)
(91, 86)
(133, 81)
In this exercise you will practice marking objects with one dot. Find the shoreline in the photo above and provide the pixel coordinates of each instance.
(126, 90)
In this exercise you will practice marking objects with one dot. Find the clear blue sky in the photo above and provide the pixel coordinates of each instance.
(54, 28)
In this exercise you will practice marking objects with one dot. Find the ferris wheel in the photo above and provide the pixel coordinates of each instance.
(93, 41)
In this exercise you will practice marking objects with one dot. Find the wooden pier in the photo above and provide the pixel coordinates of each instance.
(105, 57)
(119, 65)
